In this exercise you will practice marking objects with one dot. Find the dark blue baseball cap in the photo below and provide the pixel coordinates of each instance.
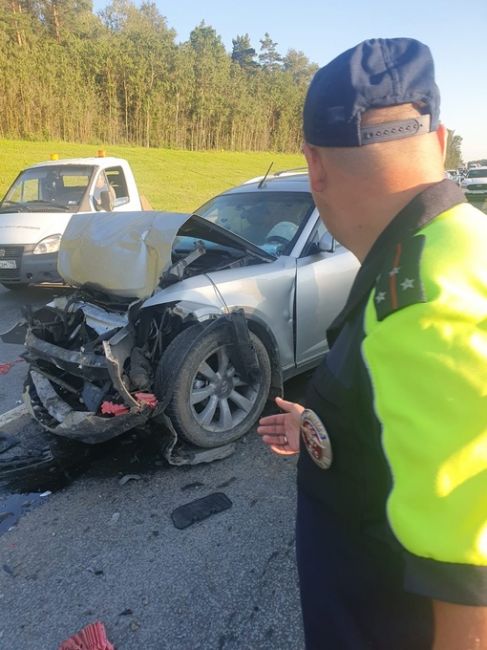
(377, 73)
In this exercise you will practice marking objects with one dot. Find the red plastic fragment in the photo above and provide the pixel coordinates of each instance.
(146, 398)
(110, 408)
(91, 637)
(6, 367)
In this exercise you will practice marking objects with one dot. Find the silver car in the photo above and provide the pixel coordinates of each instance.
(192, 321)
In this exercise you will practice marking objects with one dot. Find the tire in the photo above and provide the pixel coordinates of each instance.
(210, 405)
(15, 286)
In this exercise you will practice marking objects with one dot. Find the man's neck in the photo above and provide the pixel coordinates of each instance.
(375, 214)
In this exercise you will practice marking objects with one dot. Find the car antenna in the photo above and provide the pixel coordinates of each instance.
(265, 177)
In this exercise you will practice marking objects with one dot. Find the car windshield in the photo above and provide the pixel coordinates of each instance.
(270, 220)
(53, 187)
(477, 173)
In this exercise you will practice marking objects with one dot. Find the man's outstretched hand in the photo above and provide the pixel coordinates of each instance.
(281, 431)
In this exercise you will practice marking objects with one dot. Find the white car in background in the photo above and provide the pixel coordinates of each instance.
(454, 175)
(475, 182)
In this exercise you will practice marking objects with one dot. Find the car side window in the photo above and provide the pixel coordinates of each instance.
(312, 246)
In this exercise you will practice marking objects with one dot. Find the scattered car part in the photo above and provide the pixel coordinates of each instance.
(91, 637)
(200, 509)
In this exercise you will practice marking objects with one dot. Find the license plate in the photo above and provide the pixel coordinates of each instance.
(8, 264)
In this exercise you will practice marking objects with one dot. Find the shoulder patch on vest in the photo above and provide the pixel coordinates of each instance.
(399, 285)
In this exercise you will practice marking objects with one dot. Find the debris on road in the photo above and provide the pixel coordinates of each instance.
(114, 518)
(7, 367)
(200, 509)
(129, 477)
(91, 637)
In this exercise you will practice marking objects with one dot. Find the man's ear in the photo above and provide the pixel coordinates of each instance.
(442, 135)
(316, 167)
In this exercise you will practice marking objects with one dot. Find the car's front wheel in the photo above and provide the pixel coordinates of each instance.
(211, 405)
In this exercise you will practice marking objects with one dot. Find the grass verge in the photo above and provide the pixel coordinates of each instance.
(172, 180)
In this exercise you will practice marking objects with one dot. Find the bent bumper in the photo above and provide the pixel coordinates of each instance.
(25, 268)
(54, 414)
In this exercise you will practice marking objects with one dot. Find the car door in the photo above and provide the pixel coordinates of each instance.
(322, 286)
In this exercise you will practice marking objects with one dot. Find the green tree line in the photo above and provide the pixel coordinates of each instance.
(120, 77)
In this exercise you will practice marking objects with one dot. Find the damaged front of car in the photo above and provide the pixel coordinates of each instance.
(108, 358)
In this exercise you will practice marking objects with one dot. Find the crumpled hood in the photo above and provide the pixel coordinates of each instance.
(30, 227)
(122, 253)
(125, 253)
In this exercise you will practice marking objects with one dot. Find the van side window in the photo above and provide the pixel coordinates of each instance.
(117, 181)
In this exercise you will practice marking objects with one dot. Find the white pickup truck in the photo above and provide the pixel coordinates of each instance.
(38, 206)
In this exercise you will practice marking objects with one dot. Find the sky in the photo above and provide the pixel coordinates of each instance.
(456, 34)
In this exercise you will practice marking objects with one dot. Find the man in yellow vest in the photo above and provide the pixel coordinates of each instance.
(392, 475)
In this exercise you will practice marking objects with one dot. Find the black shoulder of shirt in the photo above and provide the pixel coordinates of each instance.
(399, 283)
(462, 584)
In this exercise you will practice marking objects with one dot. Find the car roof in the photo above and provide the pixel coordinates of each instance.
(284, 181)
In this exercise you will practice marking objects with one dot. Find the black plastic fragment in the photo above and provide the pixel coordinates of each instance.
(244, 356)
(195, 511)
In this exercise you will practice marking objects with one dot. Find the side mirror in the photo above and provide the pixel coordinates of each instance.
(106, 200)
(327, 243)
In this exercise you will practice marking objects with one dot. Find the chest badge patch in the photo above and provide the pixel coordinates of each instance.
(315, 438)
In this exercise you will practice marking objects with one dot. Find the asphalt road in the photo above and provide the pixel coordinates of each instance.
(99, 550)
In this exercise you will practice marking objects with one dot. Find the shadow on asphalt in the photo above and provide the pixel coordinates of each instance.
(136, 452)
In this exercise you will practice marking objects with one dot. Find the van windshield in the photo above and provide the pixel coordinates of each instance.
(53, 188)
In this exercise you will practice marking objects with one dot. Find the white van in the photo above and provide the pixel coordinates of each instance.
(39, 204)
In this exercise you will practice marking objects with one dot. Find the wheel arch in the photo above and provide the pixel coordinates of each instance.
(265, 334)
(205, 314)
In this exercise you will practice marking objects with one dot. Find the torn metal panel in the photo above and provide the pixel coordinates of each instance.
(177, 452)
(81, 364)
(176, 271)
(16, 334)
(100, 319)
(117, 351)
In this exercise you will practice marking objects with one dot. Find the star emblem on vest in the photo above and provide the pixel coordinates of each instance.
(400, 284)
